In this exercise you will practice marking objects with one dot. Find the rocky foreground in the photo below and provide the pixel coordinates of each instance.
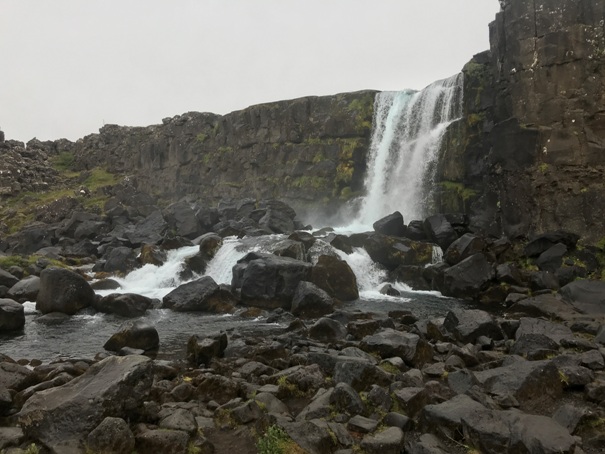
(525, 373)
(349, 382)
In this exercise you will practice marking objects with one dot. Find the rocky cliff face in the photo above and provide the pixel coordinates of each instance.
(529, 154)
(310, 152)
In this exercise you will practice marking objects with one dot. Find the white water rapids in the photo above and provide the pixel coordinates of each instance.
(157, 281)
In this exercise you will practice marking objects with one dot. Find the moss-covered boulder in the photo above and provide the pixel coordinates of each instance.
(393, 251)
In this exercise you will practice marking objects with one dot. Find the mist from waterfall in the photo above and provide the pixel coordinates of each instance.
(407, 133)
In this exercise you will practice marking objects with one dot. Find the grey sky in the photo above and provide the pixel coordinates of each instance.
(68, 66)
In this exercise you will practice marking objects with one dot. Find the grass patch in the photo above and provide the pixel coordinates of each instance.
(276, 441)
(527, 264)
(192, 449)
(388, 367)
(100, 177)
(224, 418)
(459, 189)
(287, 389)
(32, 449)
(25, 261)
(64, 161)
(564, 379)
(201, 137)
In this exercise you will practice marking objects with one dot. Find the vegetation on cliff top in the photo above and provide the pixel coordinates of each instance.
(87, 186)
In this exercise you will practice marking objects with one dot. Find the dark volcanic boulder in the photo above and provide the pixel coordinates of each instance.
(134, 334)
(392, 251)
(552, 258)
(12, 316)
(389, 441)
(536, 433)
(62, 417)
(69, 226)
(105, 284)
(468, 325)
(417, 277)
(310, 301)
(25, 290)
(306, 238)
(124, 304)
(152, 254)
(534, 346)
(509, 274)
(182, 220)
(543, 280)
(391, 225)
(150, 230)
(541, 243)
(467, 278)
(64, 291)
(290, 248)
(327, 330)
(7, 279)
(586, 296)
(440, 231)
(112, 435)
(209, 243)
(203, 295)
(269, 281)
(90, 230)
(201, 351)
(279, 217)
(340, 242)
(335, 277)
(14, 376)
(464, 247)
(207, 217)
(389, 342)
(446, 417)
(31, 239)
(121, 259)
(415, 231)
(532, 383)
(162, 441)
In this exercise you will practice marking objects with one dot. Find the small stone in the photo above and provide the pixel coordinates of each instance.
(361, 424)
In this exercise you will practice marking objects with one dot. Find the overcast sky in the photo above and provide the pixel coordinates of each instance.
(70, 66)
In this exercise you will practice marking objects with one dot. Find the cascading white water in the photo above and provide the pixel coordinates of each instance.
(408, 128)
(222, 263)
(155, 281)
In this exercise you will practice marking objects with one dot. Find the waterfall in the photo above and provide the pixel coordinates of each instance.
(408, 128)
(407, 132)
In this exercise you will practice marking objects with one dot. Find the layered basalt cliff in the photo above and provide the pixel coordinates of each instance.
(529, 153)
(310, 152)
